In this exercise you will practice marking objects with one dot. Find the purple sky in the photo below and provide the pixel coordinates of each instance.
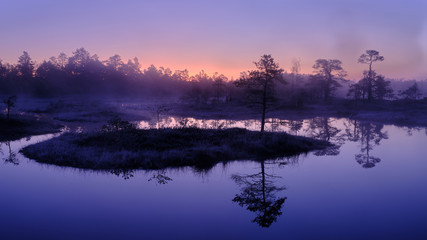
(222, 36)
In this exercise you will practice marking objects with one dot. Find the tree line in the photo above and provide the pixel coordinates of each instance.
(83, 73)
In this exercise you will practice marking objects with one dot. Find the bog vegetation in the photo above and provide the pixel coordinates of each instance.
(121, 145)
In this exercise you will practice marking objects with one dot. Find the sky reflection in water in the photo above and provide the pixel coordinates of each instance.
(370, 186)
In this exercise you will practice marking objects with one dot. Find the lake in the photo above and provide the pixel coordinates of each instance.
(371, 185)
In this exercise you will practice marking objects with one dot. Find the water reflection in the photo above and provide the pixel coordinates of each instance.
(411, 130)
(295, 126)
(258, 194)
(160, 177)
(368, 134)
(123, 173)
(371, 135)
(336, 131)
(10, 156)
(323, 128)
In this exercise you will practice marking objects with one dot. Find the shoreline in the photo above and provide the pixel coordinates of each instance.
(20, 127)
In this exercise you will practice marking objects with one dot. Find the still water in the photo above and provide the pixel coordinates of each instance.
(372, 185)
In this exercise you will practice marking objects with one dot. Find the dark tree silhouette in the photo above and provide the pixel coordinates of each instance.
(356, 91)
(371, 86)
(25, 66)
(260, 83)
(10, 103)
(117, 124)
(3, 72)
(412, 93)
(369, 57)
(115, 62)
(60, 62)
(49, 76)
(327, 75)
(25, 71)
(219, 85)
(258, 195)
(382, 88)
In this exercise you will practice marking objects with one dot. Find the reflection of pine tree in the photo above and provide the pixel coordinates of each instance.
(370, 136)
(258, 195)
(322, 128)
(352, 130)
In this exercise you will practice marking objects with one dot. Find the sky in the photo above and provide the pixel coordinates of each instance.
(222, 36)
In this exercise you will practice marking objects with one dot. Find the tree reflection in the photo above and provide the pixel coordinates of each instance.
(352, 130)
(160, 177)
(276, 123)
(369, 135)
(258, 195)
(11, 157)
(410, 130)
(295, 126)
(322, 128)
(124, 173)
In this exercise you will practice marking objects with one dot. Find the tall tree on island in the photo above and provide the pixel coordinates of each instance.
(260, 83)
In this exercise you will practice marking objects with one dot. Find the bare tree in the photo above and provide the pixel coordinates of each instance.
(260, 83)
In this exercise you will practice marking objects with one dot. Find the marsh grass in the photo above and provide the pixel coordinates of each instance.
(162, 148)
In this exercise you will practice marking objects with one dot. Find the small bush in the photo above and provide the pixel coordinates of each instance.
(117, 124)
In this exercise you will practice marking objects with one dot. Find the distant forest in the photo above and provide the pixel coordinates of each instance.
(83, 73)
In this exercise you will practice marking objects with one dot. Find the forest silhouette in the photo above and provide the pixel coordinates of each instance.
(84, 73)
